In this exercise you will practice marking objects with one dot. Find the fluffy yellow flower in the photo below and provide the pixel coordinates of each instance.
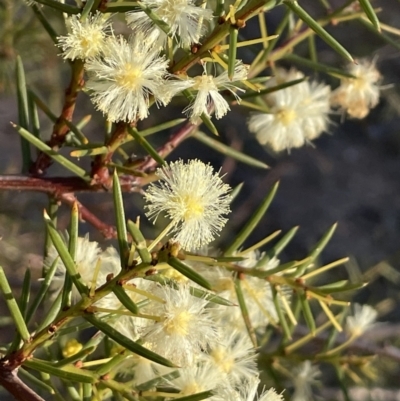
(357, 96)
(194, 198)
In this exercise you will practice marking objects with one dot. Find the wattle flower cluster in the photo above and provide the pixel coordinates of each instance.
(207, 340)
(127, 76)
(212, 354)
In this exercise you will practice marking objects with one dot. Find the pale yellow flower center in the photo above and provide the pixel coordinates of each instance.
(171, 9)
(191, 388)
(222, 360)
(193, 208)
(85, 43)
(93, 40)
(286, 116)
(204, 82)
(359, 83)
(129, 77)
(179, 324)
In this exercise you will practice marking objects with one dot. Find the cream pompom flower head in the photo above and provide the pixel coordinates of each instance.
(184, 327)
(184, 17)
(297, 114)
(358, 95)
(208, 87)
(194, 198)
(122, 81)
(363, 319)
(85, 38)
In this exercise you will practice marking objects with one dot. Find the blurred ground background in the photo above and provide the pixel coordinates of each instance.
(351, 175)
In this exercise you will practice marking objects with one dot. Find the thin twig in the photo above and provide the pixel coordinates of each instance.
(60, 185)
(148, 164)
(86, 215)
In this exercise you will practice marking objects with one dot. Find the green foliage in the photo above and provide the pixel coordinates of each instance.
(85, 338)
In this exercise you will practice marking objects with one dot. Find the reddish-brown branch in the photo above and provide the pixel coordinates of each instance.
(86, 215)
(15, 386)
(100, 173)
(57, 186)
(60, 129)
(63, 188)
(148, 163)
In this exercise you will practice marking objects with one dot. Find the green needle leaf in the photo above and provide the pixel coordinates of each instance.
(87, 392)
(75, 129)
(145, 144)
(153, 383)
(321, 244)
(161, 127)
(340, 286)
(305, 307)
(284, 325)
(79, 356)
(86, 9)
(42, 291)
(381, 35)
(327, 69)
(196, 397)
(65, 257)
(122, 7)
(155, 18)
(78, 134)
(228, 151)
(370, 13)
(197, 292)
(125, 299)
(120, 221)
(233, 36)
(316, 251)
(126, 342)
(25, 293)
(13, 307)
(73, 230)
(139, 241)
(252, 222)
(321, 32)
(51, 313)
(23, 113)
(42, 106)
(33, 116)
(80, 172)
(189, 272)
(235, 191)
(245, 312)
(65, 8)
(280, 245)
(209, 124)
(111, 364)
(45, 23)
(68, 372)
(273, 88)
